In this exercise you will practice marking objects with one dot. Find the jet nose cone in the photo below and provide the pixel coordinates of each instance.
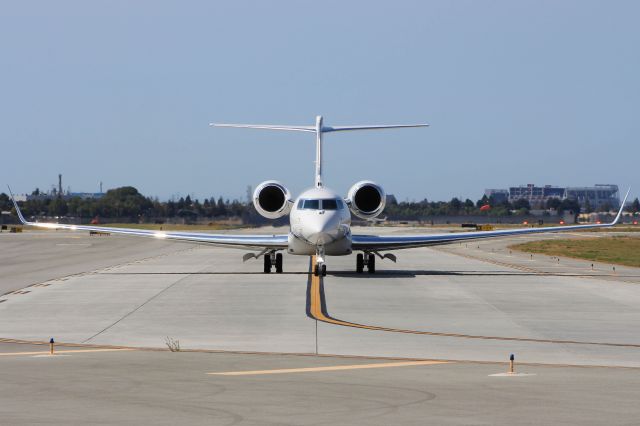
(321, 232)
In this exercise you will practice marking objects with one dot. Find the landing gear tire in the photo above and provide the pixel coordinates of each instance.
(278, 263)
(267, 263)
(359, 263)
(371, 263)
(320, 270)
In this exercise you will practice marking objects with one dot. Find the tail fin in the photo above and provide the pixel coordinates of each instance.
(319, 129)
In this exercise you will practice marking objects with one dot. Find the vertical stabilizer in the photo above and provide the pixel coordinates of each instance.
(318, 178)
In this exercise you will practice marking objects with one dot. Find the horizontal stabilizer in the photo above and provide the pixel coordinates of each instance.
(324, 129)
(267, 127)
(374, 127)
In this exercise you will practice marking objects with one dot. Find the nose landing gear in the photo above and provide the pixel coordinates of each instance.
(321, 268)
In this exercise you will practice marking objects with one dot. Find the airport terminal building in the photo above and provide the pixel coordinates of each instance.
(597, 197)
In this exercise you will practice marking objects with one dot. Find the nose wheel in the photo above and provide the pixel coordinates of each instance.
(271, 260)
(366, 259)
(320, 270)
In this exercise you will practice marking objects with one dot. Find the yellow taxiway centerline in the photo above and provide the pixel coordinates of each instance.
(315, 310)
(66, 351)
(328, 368)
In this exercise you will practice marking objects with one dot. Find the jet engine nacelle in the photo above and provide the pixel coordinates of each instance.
(272, 199)
(366, 199)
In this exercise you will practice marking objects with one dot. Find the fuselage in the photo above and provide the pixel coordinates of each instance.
(320, 220)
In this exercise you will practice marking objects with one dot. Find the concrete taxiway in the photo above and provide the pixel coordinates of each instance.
(165, 388)
(470, 305)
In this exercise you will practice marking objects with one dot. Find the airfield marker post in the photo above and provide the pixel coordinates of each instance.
(511, 360)
(51, 343)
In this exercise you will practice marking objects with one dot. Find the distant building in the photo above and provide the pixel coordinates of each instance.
(58, 192)
(65, 195)
(595, 197)
(498, 195)
(598, 197)
(85, 195)
(537, 196)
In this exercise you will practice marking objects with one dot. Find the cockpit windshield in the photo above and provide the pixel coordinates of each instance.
(311, 205)
(329, 204)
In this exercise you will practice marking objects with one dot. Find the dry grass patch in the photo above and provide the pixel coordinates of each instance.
(618, 250)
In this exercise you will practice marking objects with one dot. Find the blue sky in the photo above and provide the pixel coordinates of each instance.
(122, 92)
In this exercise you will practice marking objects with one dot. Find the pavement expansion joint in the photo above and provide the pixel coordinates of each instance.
(512, 375)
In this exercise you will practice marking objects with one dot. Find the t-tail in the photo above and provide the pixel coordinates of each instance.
(319, 129)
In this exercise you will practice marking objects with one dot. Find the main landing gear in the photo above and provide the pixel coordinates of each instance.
(272, 259)
(366, 259)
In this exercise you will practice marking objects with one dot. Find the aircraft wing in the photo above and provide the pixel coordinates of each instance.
(393, 242)
(237, 240)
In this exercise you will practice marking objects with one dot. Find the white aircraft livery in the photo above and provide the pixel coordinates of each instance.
(320, 219)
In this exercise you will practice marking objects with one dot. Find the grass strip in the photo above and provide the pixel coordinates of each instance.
(616, 250)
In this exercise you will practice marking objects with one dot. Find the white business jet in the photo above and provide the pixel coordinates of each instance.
(320, 219)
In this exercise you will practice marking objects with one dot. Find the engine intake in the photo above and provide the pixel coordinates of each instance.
(366, 199)
(272, 199)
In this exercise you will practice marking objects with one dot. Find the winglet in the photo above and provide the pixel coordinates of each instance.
(15, 204)
(621, 208)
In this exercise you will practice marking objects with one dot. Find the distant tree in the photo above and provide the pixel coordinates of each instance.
(36, 192)
(569, 205)
(521, 203)
(123, 202)
(605, 207)
(181, 203)
(554, 203)
(171, 209)
(57, 207)
(635, 206)
(481, 202)
(455, 205)
(221, 208)
(5, 202)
